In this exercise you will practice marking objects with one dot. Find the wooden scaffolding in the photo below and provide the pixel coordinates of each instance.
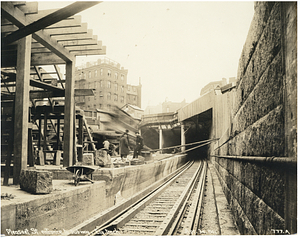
(31, 39)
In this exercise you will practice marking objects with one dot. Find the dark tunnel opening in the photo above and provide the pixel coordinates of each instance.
(198, 129)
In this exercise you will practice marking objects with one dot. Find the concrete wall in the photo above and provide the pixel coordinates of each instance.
(259, 119)
(53, 212)
(132, 179)
(74, 205)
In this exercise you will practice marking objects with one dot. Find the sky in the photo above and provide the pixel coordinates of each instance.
(175, 47)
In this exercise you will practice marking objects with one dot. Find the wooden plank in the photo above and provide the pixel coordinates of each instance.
(84, 36)
(21, 107)
(69, 22)
(48, 20)
(38, 84)
(69, 30)
(69, 114)
(57, 70)
(90, 52)
(98, 46)
(17, 17)
(38, 73)
(77, 42)
(29, 8)
(45, 94)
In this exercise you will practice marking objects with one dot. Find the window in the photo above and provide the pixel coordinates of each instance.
(84, 75)
(116, 97)
(108, 96)
(134, 98)
(108, 73)
(128, 87)
(122, 89)
(95, 84)
(108, 84)
(122, 77)
(116, 75)
(90, 74)
(101, 71)
(122, 99)
(134, 89)
(101, 83)
(100, 105)
(96, 73)
(116, 87)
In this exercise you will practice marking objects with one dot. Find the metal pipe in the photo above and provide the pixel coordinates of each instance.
(282, 160)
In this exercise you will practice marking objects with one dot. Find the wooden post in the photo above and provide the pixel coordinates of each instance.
(45, 137)
(40, 133)
(80, 139)
(21, 107)
(31, 157)
(58, 152)
(68, 115)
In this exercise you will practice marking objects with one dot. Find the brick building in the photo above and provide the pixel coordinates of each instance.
(109, 82)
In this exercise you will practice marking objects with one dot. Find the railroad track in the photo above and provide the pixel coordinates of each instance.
(172, 209)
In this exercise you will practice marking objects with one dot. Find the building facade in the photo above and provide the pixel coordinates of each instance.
(109, 82)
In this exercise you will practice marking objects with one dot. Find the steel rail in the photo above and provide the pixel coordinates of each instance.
(169, 219)
(179, 218)
(132, 210)
(199, 207)
(191, 224)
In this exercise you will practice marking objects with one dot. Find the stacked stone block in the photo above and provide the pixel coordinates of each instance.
(262, 195)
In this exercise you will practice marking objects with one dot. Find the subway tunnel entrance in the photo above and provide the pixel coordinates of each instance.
(198, 128)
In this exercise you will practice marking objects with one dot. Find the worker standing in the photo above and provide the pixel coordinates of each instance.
(124, 147)
(139, 145)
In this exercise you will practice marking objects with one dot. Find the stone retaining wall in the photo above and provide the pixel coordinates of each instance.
(263, 123)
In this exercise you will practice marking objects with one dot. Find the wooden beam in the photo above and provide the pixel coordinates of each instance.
(91, 52)
(57, 70)
(38, 84)
(78, 42)
(29, 8)
(48, 20)
(17, 17)
(68, 22)
(98, 46)
(68, 30)
(21, 108)
(38, 73)
(84, 36)
(45, 94)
